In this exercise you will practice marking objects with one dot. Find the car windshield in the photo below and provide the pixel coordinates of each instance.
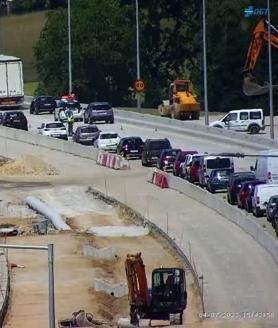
(14, 115)
(133, 142)
(109, 136)
(46, 99)
(156, 145)
(101, 107)
(171, 152)
(218, 163)
(242, 179)
(90, 129)
(54, 125)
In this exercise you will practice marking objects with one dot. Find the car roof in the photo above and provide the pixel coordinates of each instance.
(153, 140)
(239, 174)
(127, 138)
(53, 122)
(108, 132)
(99, 103)
(245, 110)
(45, 97)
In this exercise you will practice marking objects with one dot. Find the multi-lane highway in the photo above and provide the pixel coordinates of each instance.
(240, 277)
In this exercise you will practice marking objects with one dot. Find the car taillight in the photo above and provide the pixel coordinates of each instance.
(258, 200)
(126, 147)
(269, 175)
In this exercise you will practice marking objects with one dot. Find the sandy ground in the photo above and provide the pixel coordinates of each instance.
(74, 273)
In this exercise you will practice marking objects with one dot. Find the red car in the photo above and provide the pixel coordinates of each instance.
(194, 169)
(243, 194)
(180, 158)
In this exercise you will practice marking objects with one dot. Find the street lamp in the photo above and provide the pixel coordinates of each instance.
(69, 48)
(270, 74)
(138, 54)
(205, 65)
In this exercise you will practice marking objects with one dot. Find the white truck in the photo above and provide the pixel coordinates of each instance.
(11, 82)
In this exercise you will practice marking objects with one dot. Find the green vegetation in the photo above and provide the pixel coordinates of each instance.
(30, 88)
(18, 36)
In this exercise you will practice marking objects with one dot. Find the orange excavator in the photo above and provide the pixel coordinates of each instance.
(259, 38)
(167, 298)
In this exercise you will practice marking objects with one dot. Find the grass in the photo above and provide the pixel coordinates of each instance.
(18, 36)
(29, 88)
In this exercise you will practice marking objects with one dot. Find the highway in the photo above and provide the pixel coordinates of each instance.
(239, 275)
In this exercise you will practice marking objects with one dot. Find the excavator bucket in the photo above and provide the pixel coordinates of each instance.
(252, 88)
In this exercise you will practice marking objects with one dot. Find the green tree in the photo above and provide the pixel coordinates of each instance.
(101, 51)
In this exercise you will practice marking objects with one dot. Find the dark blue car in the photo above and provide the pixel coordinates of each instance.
(219, 179)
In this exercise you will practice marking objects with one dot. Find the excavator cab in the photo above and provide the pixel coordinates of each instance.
(168, 294)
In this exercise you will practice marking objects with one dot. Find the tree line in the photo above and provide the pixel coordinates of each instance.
(104, 49)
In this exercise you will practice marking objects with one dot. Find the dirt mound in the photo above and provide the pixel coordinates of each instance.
(27, 165)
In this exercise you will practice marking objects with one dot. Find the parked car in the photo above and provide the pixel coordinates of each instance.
(266, 168)
(53, 129)
(130, 147)
(99, 111)
(242, 196)
(251, 120)
(107, 141)
(86, 134)
(15, 119)
(63, 105)
(262, 193)
(250, 195)
(209, 163)
(218, 179)
(273, 200)
(166, 159)
(180, 159)
(274, 218)
(192, 174)
(235, 183)
(152, 150)
(186, 165)
(42, 104)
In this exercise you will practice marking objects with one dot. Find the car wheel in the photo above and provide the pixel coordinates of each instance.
(51, 111)
(268, 218)
(112, 121)
(254, 129)
(257, 213)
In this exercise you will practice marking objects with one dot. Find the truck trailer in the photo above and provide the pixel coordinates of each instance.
(11, 82)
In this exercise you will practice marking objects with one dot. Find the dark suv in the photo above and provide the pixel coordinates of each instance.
(167, 159)
(99, 111)
(42, 104)
(152, 150)
(14, 119)
(130, 147)
(235, 183)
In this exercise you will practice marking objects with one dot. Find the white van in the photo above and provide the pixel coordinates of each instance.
(209, 163)
(262, 193)
(250, 120)
(266, 168)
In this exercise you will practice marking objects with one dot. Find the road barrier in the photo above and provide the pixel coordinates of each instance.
(160, 179)
(233, 214)
(112, 161)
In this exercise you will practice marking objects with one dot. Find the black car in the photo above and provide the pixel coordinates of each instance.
(235, 183)
(219, 179)
(273, 200)
(99, 111)
(152, 150)
(42, 104)
(167, 159)
(274, 218)
(130, 147)
(86, 134)
(15, 119)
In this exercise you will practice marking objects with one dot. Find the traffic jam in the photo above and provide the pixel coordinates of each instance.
(255, 191)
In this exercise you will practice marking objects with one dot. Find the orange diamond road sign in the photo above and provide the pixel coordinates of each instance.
(139, 85)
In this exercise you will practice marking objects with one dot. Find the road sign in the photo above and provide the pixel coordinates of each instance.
(139, 85)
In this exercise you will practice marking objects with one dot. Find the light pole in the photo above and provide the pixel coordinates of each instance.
(69, 48)
(205, 64)
(270, 74)
(138, 54)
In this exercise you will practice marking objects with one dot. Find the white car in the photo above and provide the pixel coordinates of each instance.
(262, 193)
(54, 129)
(249, 120)
(107, 141)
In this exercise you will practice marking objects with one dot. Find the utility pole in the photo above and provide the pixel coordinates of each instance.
(69, 48)
(205, 64)
(138, 54)
(270, 74)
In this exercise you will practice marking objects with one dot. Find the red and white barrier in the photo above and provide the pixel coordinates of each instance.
(160, 179)
(112, 161)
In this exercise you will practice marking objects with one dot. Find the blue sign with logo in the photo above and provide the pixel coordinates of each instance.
(252, 11)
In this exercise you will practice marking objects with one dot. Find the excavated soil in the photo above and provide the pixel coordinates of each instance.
(26, 165)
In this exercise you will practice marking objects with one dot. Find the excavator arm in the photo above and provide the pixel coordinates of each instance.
(259, 38)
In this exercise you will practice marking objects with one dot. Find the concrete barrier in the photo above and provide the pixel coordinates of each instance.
(117, 290)
(107, 253)
(112, 161)
(233, 214)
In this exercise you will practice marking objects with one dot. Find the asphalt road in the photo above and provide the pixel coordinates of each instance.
(240, 277)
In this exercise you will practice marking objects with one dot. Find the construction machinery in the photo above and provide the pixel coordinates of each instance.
(259, 37)
(167, 298)
(182, 103)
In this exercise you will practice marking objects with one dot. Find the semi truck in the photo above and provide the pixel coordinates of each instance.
(11, 82)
